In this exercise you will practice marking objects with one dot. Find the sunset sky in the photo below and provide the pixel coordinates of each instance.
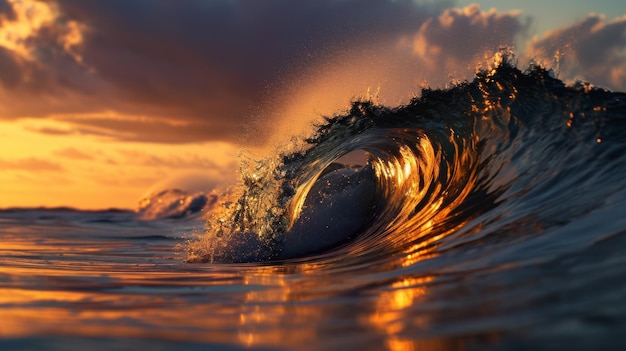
(103, 101)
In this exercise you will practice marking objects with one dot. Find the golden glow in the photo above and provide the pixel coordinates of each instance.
(384, 71)
(388, 315)
(263, 309)
(30, 17)
(279, 306)
(73, 38)
(94, 172)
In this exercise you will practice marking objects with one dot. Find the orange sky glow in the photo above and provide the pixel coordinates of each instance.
(94, 172)
(98, 110)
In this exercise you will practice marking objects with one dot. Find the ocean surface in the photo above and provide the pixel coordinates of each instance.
(488, 215)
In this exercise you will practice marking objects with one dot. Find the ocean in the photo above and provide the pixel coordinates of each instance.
(487, 215)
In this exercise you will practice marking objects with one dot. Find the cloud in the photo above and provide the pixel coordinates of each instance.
(30, 164)
(73, 154)
(155, 130)
(51, 131)
(193, 71)
(591, 49)
(466, 35)
(438, 48)
(22, 21)
(10, 70)
(36, 37)
(179, 162)
(7, 13)
(205, 63)
(138, 128)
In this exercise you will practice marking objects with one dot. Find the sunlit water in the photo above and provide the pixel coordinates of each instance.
(489, 216)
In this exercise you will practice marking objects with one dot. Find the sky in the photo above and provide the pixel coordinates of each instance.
(104, 102)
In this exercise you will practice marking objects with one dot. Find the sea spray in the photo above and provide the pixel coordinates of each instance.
(243, 226)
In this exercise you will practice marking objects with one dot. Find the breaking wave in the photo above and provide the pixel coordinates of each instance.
(509, 162)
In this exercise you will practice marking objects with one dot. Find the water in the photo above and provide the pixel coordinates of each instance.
(489, 215)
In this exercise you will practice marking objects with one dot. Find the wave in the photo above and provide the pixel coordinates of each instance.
(174, 203)
(508, 157)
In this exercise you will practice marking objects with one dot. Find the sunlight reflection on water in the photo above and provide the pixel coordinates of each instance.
(72, 283)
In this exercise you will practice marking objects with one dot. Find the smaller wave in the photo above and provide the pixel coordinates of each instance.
(174, 203)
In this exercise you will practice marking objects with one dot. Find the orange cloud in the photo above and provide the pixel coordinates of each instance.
(148, 129)
(30, 164)
(185, 161)
(74, 154)
(27, 18)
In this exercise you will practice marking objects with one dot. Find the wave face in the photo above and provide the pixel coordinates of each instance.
(513, 164)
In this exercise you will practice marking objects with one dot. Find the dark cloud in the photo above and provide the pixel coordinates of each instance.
(199, 70)
(10, 70)
(463, 35)
(202, 62)
(6, 11)
(591, 49)
(30, 164)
